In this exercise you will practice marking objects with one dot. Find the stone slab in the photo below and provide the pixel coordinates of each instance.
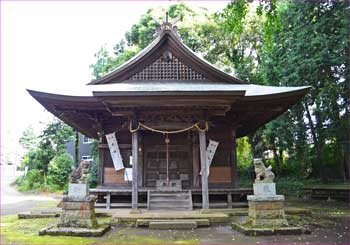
(78, 190)
(264, 189)
(40, 215)
(252, 231)
(183, 224)
(265, 198)
(79, 232)
(145, 222)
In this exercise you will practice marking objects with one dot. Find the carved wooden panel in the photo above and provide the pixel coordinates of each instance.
(167, 69)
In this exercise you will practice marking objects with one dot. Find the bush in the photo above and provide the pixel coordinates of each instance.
(58, 171)
(34, 180)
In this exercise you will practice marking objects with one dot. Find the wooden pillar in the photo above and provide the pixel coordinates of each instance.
(100, 174)
(234, 175)
(195, 161)
(134, 190)
(204, 170)
(140, 159)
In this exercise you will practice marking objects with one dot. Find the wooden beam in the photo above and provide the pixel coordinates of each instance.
(204, 167)
(134, 195)
(233, 158)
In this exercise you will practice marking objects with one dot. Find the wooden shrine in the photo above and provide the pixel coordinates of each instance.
(164, 105)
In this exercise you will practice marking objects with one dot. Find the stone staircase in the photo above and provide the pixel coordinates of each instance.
(169, 200)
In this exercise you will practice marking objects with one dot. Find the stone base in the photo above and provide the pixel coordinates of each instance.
(78, 212)
(70, 231)
(266, 211)
(266, 231)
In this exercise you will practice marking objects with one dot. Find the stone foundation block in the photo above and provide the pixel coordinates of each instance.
(78, 205)
(271, 205)
(266, 214)
(268, 222)
(83, 223)
(78, 214)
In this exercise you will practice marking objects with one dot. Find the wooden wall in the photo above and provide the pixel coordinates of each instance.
(220, 170)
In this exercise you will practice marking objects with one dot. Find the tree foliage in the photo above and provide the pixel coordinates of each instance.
(277, 43)
(48, 160)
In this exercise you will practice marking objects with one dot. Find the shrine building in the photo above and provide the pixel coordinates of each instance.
(164, 106)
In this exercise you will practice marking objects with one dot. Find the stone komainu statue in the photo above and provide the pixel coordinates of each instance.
(79, 174)
(263, 174)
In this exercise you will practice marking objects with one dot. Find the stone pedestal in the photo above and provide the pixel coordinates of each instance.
(78, 212)
(78, 215)
(266, 211)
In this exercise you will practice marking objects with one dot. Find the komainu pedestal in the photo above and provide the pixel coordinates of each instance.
(78, 209)
(78, 212)
(266, 209)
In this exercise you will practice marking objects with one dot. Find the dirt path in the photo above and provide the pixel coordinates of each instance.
(13, 202)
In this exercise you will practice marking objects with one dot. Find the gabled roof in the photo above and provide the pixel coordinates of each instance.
(167, 58)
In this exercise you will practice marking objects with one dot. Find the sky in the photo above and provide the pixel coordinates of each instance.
(51, 45)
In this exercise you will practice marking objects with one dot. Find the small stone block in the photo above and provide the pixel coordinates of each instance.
(172, 225)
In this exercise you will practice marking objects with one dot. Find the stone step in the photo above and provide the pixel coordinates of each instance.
(173, 224)
(175, 194)
(170, 202)
(174, 200)
(167, 198)
(145, 222)
(162, 208)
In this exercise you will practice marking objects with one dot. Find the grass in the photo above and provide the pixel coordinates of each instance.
(25, 231)
(322, 207)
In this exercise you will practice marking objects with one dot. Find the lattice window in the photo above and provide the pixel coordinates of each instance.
(167, 69)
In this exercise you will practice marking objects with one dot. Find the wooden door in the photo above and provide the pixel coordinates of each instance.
(180, 165)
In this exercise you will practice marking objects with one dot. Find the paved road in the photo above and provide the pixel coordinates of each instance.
(13, 202)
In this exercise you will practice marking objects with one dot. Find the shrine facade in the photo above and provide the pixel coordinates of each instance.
(164, 106)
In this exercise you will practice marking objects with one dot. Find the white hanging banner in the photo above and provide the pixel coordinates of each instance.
(115, 152)
(211, 149)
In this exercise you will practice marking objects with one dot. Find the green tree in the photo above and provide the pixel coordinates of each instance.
(28, 140)
(142, 34)
(51, 143)
(59, 170)
(309, 49)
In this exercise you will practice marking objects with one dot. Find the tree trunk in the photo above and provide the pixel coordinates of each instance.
(277, 160)
(316, 143)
